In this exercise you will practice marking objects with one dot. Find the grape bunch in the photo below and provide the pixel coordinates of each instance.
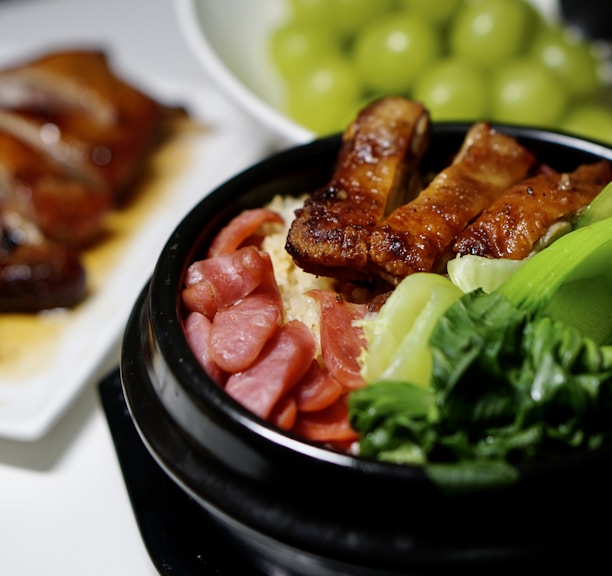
(466, 60)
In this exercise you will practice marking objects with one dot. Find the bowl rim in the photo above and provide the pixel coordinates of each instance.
(165, 308)
(288, 130)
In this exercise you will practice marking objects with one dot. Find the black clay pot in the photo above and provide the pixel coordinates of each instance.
(291, 507)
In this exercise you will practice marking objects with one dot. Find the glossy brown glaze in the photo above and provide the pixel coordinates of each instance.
(73, 137)
(528, 211)
(417, 235)
(374, 173)
(66, 208)
(38, 275)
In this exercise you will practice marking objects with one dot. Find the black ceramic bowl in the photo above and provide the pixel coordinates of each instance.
(292, 507)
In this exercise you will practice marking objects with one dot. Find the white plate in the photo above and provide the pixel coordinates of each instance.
(46, 362)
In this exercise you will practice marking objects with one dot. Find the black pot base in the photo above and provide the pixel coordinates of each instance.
(166, 516)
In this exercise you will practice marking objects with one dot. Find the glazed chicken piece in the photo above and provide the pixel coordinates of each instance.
(73, 137)
(71, 81)
(417, 236)
(64, 207)
(376, 171)
(72, 107)
(36, 274)
(531, 211)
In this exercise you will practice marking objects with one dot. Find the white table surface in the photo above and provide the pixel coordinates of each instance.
(64, 508)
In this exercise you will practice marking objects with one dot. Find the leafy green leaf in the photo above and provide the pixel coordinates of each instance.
(472, 475)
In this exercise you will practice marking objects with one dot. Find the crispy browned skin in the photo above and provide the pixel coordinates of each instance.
(417, 236)
(65, 81)
(72, 107)
(35, 273)
(65, 207)
(73, 137)
(512, 226)
(374, 173)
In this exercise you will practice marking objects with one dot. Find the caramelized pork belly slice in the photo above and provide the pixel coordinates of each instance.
(68, 80)
(83, 115)
(63, 206)
(36, 274)
(374, 173)
(417, 236)
(530, 211)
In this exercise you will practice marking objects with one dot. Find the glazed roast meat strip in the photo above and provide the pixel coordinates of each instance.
(65, 81)
(73, 137)
(35, 273)
(375, 172)
(532, 212)
(64, 207)
(418, 236)
(73, 108)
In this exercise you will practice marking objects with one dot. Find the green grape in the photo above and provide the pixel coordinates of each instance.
(590, 121)
(320, 97)
(349, 16)
(571, 58)
(393, 50)
(297, 44)
(454, 89)
(313, 10)
(526, 92)
(437, 11)
(490, 32)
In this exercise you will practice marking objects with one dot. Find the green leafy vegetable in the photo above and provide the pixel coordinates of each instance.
(397, 336)
(470, 272)
(506, 387)
(516, 373)
(583, 254)
(599, 209)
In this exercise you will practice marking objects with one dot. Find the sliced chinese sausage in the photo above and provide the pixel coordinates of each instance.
(277, 370)
(197, 331)
(284, 413)
(330, 425)
(316, 390)
(341, 337)
(268, 286)
(221, 281)
(240, 228)
(240, 332)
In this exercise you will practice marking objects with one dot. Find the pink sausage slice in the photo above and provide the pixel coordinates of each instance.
(240, 228)
(221, 281)
(316, 390)
(341, 338)
(279, 368)
(240, 332)
(197, 331)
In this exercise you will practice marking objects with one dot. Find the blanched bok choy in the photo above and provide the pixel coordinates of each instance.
(521, 372)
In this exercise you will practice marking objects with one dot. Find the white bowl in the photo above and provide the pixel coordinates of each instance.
(228, 37)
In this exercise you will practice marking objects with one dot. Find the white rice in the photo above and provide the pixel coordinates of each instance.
(292, 281)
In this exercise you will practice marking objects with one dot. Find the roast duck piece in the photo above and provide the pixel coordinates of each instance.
(371, 221)
(73, 138)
